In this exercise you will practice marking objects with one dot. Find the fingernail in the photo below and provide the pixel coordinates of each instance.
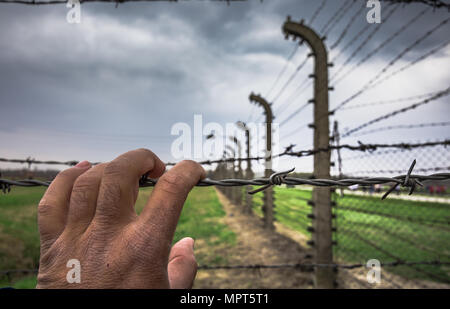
(83, 164)
(191, 240)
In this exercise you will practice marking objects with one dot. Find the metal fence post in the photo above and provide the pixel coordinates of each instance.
(322, 239)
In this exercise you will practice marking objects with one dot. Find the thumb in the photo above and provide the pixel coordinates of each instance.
(182, 266)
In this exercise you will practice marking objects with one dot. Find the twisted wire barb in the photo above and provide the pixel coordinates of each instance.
(287, 152)
(408, 180)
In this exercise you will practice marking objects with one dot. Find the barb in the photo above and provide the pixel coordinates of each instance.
(275, 179)
(408, 180)
(365, 147)
(287, 152)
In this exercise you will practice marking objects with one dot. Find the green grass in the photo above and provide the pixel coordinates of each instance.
(369, 228)
(201, 219)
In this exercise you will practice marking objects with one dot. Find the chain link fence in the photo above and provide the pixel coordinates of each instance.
(401, 228)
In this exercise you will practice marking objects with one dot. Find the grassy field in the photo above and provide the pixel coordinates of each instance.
(368, 228)
(19, 240)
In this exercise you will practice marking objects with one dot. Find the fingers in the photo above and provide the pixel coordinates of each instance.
(182, 266)
(164, 206)
(83, 199)
(120, 183)
(54, 205)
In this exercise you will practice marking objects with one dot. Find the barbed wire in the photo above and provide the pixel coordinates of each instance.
(409, 180)
(385, 152)
(286, 64)
(364, 44)
(287, 152)
(302, 266)
(406, 126)
(402, 110)
(390, 64)
(433, 3)
(347, 26)
(116, 2)
(378, 48)
(391, 101)
(290, 79)
(317, 12)
(422, 170)
(336, 16)
(417, 60)
(295, 113)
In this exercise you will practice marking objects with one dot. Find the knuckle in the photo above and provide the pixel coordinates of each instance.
(65, 174)
(173, 183)
(191, 164)
(116, 168)
(45, 208)
(145, 151)
(84, 182)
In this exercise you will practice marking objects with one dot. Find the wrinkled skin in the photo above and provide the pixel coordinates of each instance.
(88, 214)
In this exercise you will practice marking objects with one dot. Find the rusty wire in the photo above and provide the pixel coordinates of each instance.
(409, 180)
(287, 152)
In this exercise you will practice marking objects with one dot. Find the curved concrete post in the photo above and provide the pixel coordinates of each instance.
(322, 237)
(268, 193)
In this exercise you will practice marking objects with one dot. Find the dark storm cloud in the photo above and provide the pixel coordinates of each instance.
(142, 67)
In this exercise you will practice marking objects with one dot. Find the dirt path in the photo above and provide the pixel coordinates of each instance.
(255, 245)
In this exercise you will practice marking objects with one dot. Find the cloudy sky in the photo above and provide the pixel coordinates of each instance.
(123, 77)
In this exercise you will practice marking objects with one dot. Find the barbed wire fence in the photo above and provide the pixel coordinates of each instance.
(408, 234)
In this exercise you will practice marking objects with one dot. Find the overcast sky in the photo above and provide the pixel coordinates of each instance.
(124, 76)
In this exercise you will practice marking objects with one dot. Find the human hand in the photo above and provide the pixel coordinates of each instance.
(88, 214)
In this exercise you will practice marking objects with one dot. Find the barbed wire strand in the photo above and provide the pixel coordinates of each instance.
(364, 43)
(391, 63)
(379, 47)
(397, 112)
(405, 126)
(391, 101)
(347, 26)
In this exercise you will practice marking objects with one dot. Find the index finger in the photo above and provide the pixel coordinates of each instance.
(166, 201)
